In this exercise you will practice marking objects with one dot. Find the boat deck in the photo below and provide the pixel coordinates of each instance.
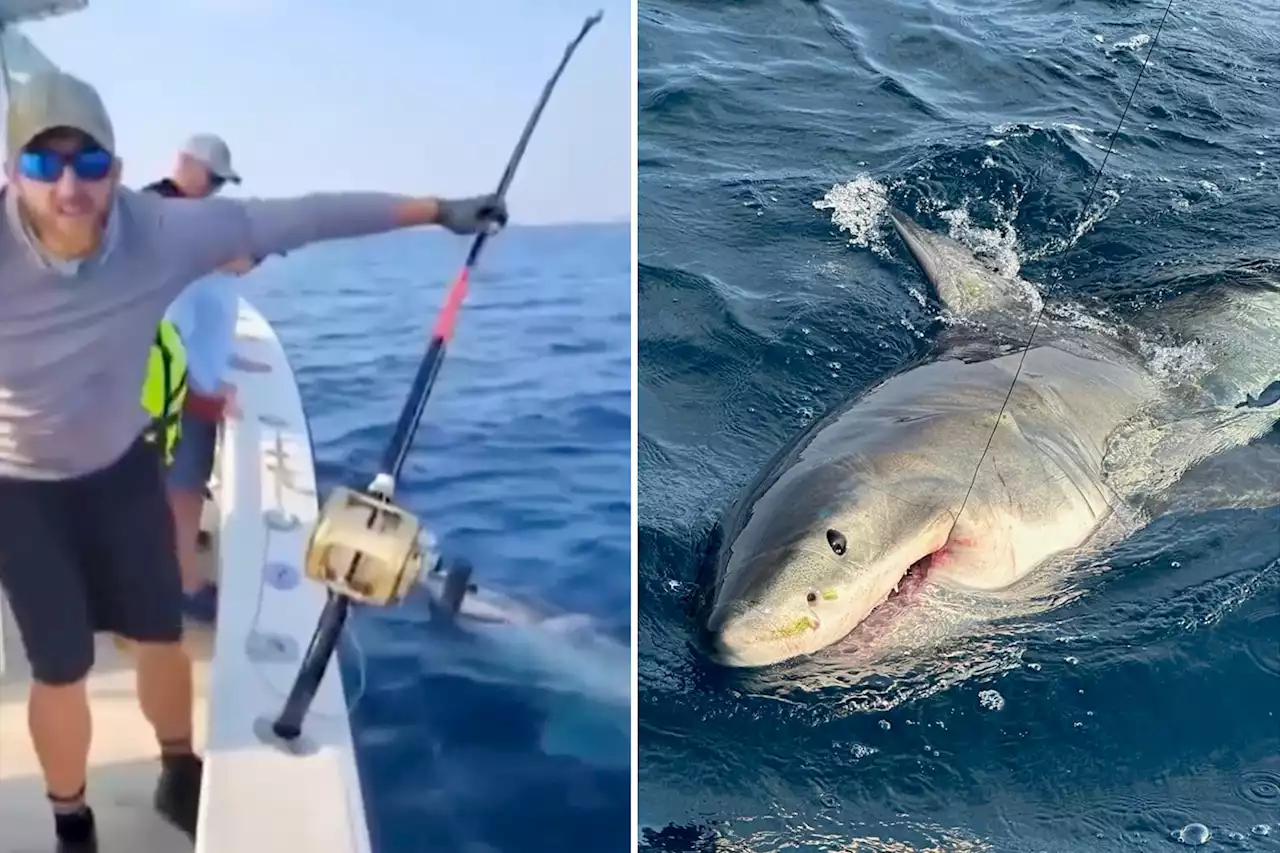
(123, 763)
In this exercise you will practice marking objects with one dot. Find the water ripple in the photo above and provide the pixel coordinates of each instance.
(1260, 787)
(1262, 640)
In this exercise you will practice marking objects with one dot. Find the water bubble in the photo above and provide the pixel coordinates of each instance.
(1193, 834)
(1260, 829)
(862, 751)
(991, 700)
(884, 724)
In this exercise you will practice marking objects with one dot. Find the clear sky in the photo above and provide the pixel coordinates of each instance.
(414, 96)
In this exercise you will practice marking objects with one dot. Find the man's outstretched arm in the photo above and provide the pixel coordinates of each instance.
(201, 236)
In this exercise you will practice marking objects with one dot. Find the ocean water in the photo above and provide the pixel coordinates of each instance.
(772, 138)
(522, 465)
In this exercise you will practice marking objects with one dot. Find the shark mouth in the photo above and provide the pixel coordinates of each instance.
(903, 594)
(912, 580)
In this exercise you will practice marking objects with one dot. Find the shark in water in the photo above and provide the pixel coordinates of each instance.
(865, 506)
(576, 674)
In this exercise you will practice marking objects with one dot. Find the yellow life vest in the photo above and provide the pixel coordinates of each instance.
(164, 391)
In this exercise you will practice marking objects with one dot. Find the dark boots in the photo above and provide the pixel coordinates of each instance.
(178, 791)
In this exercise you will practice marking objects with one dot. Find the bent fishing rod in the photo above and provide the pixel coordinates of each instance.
(364, 548)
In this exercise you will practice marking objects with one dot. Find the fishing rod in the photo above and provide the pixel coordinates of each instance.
(411, 415)
(364, 548)
(1035, 325)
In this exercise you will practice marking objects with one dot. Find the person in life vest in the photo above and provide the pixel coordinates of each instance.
(164, 392)
(87, 270)
(205, 315)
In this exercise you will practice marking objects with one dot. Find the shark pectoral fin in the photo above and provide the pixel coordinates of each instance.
(594, 735)
(1235, 321)
(1149, 454)
(1243, 478)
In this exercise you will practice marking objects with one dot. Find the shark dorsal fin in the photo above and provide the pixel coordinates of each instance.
(967, 287)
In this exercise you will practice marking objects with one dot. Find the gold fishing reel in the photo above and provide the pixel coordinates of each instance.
(365, 548)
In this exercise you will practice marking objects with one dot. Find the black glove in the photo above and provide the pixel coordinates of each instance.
(469, 215)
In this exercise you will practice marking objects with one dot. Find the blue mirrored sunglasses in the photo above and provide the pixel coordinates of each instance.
(46, 166)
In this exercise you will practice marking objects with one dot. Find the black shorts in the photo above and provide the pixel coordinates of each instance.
(95, 553)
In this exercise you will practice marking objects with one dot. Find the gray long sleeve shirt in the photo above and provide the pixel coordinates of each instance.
(74, 341)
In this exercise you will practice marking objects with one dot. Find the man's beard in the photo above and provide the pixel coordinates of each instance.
(78, 241)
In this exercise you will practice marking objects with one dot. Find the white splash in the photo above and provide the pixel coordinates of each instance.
(858, 208)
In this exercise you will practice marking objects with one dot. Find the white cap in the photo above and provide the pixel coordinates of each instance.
(213, 152)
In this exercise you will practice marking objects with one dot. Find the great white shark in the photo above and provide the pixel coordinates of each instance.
(577, 674)
(865, 504)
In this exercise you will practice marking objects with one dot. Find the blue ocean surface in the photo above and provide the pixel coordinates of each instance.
(773, 137)
(522, 466)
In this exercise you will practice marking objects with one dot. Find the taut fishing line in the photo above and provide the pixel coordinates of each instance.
(1035, 324)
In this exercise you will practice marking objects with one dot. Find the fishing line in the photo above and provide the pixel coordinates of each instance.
(1079, 220)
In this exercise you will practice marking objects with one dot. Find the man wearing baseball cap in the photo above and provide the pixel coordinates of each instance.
(87, 269)
(210, 152)
(205, 316)
(203, 167)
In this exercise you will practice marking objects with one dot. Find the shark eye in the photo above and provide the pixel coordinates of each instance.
(837, 542)
(812, 597)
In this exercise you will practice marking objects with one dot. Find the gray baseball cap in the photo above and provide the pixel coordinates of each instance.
(52, 99)
(213, 152)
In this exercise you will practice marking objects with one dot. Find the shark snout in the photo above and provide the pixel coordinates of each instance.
(742, 634)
